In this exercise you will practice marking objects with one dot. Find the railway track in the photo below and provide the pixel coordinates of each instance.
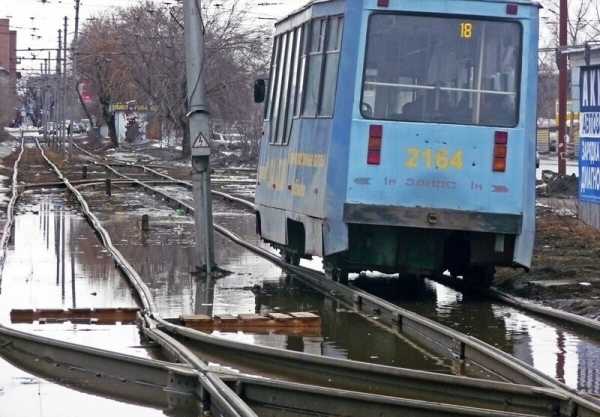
(542, 396)
(442, 340)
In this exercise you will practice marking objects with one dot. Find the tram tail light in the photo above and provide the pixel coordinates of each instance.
(375, 143)
(500, 151)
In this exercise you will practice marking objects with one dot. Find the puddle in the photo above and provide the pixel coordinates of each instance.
(164, 256)
(36, 396)
(562, 352)
(47, 236)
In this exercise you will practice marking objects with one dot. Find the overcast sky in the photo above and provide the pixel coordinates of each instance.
(38, 23)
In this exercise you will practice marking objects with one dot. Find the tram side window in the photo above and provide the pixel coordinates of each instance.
(269, 107)
(315, 62)
(278, 78)
(302, 68)
(286, 63)
(332, 63)
(294, 83)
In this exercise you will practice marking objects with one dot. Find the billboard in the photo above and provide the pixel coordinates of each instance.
(589, 132)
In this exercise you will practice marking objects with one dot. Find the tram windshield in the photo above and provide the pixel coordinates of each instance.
(442, 70)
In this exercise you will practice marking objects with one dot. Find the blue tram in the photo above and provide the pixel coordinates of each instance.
(399, 136)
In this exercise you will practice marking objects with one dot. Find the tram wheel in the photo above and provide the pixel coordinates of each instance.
(290, 257)
(340, 275)
(479, 277)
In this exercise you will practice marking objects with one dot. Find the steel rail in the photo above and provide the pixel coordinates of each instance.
(10, 211)
(236, 405)
(174, 180)
(370, 377)
(221, 397)
(170, 387)
(444, 340)
(546, 311)
(91, 182)
(493, 292)
(447, 341)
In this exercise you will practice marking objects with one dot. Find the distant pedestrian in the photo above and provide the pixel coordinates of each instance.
(70, 128)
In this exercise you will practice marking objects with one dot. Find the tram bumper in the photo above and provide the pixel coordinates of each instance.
(430, 218)
(427, 240)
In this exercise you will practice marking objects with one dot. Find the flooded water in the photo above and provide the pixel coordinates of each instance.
(562, 352)
(26, 395)
(164, 256)
(55, 261)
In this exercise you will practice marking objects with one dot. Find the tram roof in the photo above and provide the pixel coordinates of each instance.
(312, 3)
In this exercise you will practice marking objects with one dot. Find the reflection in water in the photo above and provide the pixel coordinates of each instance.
(54, 260)
(560, 352)
(25, 395)
(164, 256)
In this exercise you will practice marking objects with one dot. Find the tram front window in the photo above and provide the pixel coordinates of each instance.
(442, 70)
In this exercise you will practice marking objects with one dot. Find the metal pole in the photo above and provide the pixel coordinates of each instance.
(562, 88)
(65, 85)
(72, 257)
(76, 35)
(57, 102)
(199, 132)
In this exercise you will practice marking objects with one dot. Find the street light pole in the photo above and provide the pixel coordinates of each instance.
(198, 118)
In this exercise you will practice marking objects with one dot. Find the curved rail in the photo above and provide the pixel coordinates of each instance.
(222, 398)
(10, 211)
(224, 402)
(442, 339)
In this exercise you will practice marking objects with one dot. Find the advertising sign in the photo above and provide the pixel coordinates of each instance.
(589, 132)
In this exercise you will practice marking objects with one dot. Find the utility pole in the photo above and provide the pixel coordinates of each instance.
(57, 105)
(198, 117)
(562, 88)
(76, 35)
(65, 86)
(45, 100)
(75, 40)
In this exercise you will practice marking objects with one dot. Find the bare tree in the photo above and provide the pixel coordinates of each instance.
(101, 63)
(138, 52)
(583, 23)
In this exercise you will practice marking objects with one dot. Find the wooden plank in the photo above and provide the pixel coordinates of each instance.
(300, 323)
(305, 316)
(280, 316)
(76, 315)
(252, 317)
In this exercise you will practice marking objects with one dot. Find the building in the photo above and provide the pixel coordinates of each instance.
(577, 59)
(8, 50)
(585, 62)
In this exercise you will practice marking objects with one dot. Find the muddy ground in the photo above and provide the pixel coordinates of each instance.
(566, 266)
